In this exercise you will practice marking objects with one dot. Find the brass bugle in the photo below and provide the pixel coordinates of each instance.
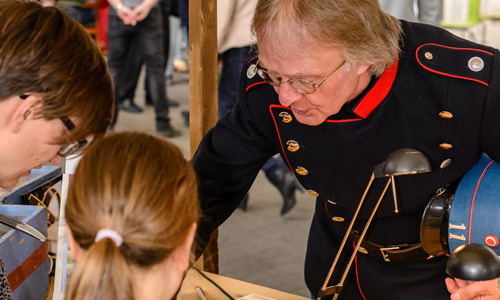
(404, 161)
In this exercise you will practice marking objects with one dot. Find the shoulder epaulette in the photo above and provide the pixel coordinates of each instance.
(465, 63)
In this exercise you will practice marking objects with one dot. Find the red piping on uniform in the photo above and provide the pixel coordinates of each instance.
(474, 197)
(254, 84)
(378, 93)
(278, 132)
(343, 121)
(356, 268)
(446, 74)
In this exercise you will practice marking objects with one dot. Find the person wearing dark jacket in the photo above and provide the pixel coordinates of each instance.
(336, 87)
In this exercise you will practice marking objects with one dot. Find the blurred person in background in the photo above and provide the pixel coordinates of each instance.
(425, 11)
(235, 42)
(143, 19)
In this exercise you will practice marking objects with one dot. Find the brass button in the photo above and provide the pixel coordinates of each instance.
(338, 219)
(292, 145)
(445, 163)
(285, 117)
(429, 55)
(446, 115)
(362, 250)
(314, 193)
(301, 171)
(331, 202)
(445, 146)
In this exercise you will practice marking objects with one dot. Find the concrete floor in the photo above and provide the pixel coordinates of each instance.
(257, 246)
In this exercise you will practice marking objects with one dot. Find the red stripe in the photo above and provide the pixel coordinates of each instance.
(474, 196)
(24, 270)
(442, 46)
(446, 74)
(378, 93)
(278, 132)
(343, 121)
(254, 84)
(357, 276)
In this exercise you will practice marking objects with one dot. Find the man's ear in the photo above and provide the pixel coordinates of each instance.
(24, 111)
(75, 249)
(362, 68)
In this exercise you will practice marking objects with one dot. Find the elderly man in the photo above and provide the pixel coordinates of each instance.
(337, 86)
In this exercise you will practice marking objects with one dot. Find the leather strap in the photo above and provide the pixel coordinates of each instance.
(391, 253)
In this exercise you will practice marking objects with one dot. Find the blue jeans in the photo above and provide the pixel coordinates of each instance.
(233, 61)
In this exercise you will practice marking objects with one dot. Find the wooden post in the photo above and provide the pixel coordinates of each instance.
(203, 89)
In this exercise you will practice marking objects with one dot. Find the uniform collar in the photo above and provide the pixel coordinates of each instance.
(376, 92)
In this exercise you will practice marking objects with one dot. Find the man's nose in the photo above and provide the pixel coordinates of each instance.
(287, 94)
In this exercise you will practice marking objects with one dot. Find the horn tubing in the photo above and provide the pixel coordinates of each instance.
(323, 288)
(396, 210)
(346, 271)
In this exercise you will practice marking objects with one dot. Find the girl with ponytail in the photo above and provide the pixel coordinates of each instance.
(131, 217)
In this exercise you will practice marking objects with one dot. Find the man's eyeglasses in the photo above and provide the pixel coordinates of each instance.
(300, 85)
(69, 147)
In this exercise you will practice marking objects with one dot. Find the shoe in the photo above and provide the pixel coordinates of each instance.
(286, 183)
(172, 103)
(243, 204)
(170, 132)
(185, 116)
(129, 106)
(180, 65)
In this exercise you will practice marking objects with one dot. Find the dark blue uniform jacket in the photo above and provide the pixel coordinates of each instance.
(441, 97)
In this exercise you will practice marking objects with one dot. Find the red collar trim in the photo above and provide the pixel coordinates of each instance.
(378, 93)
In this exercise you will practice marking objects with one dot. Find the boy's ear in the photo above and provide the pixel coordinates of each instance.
(24, 111)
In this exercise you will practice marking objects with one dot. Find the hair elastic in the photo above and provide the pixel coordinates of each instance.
(110, 234)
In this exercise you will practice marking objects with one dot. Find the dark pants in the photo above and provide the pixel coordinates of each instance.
(150, 34)
(135, 59)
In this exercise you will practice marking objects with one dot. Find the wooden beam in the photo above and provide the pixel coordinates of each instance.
(203, 84)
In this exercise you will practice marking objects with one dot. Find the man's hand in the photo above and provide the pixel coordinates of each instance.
(142, 11)
(127, 15)
(473, 290)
